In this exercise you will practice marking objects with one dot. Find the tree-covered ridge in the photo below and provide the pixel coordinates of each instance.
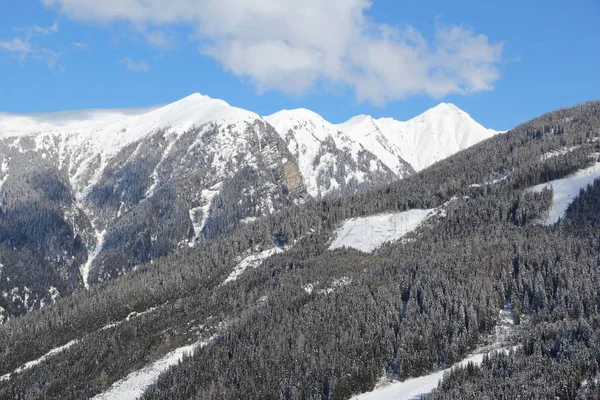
(410, 308)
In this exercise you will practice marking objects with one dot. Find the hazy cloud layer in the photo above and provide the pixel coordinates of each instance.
(291, 46)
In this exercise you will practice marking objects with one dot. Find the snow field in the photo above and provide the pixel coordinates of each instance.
(566, 190)
(369, 233)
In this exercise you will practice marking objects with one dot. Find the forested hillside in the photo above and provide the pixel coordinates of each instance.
(312, 323)
(87, 196)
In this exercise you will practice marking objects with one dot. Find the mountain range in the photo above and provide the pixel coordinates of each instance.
(216, 271)
(89, 195)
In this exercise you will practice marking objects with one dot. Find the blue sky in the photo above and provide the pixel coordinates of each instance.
(502, 62)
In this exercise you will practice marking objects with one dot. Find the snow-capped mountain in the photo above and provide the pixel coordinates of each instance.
(430, 137)
(328, 158)
(88, 195)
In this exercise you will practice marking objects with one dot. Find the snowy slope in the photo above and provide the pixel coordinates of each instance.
(430, 137)
(566, 190)
(369, 233)
(176, 173)
(134, 384)
(328, 158)
(166, 162)
(252, 261)
(418, 388)
(415, 388)
(84, 136)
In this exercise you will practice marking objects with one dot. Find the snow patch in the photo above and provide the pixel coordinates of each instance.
(85, 268)
(33, 363)
(343, 281)
(369, 233)
(566, 190)
(206, 198)
(155, 176)
(4, 170)
(417, 388)
(556, 153)
(309, 287)
(134, 384)
(252, 261)
(248, 220)
(54, 293)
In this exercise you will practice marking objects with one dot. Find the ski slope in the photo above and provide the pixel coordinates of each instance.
(566, 190)
(369, 233)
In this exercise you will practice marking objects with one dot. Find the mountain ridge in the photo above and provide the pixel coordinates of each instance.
(121, 188)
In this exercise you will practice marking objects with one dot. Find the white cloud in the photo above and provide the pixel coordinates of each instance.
(80, 45)
(136, 66)
(23, 47)
(291, 45)
(45, 31)
(16, 45)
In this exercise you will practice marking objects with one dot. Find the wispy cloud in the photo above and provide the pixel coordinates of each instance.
(133, 65)
(16, 45)
(50, 57)
(80, 45)
(23, 47)
(45, 31)
(293, 46)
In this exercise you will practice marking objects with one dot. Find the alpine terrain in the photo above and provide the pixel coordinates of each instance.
(199, 251)
(87, 196)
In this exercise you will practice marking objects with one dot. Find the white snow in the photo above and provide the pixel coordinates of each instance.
(430, 137)
(369, 233)
(248, 220)
(556, 153)
(206, 196)
(309, 287)
(33, 363)
(566, 190)
(86, 135)
(417, 388)
(54, 293)
(111, 130)
(252, 261)
(4, 170)
(414, 388)
(155, 176)
(343, 281)
(85, 268)
(134, 384)
(306, 132)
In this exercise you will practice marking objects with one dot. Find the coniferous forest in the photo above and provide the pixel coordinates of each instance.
(412, 307)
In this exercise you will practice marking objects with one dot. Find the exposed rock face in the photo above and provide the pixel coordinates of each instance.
(291, 175)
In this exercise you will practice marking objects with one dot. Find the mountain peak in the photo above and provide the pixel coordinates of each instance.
(295, 114)
(356, 121)
(444, 109)
(197, 99)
